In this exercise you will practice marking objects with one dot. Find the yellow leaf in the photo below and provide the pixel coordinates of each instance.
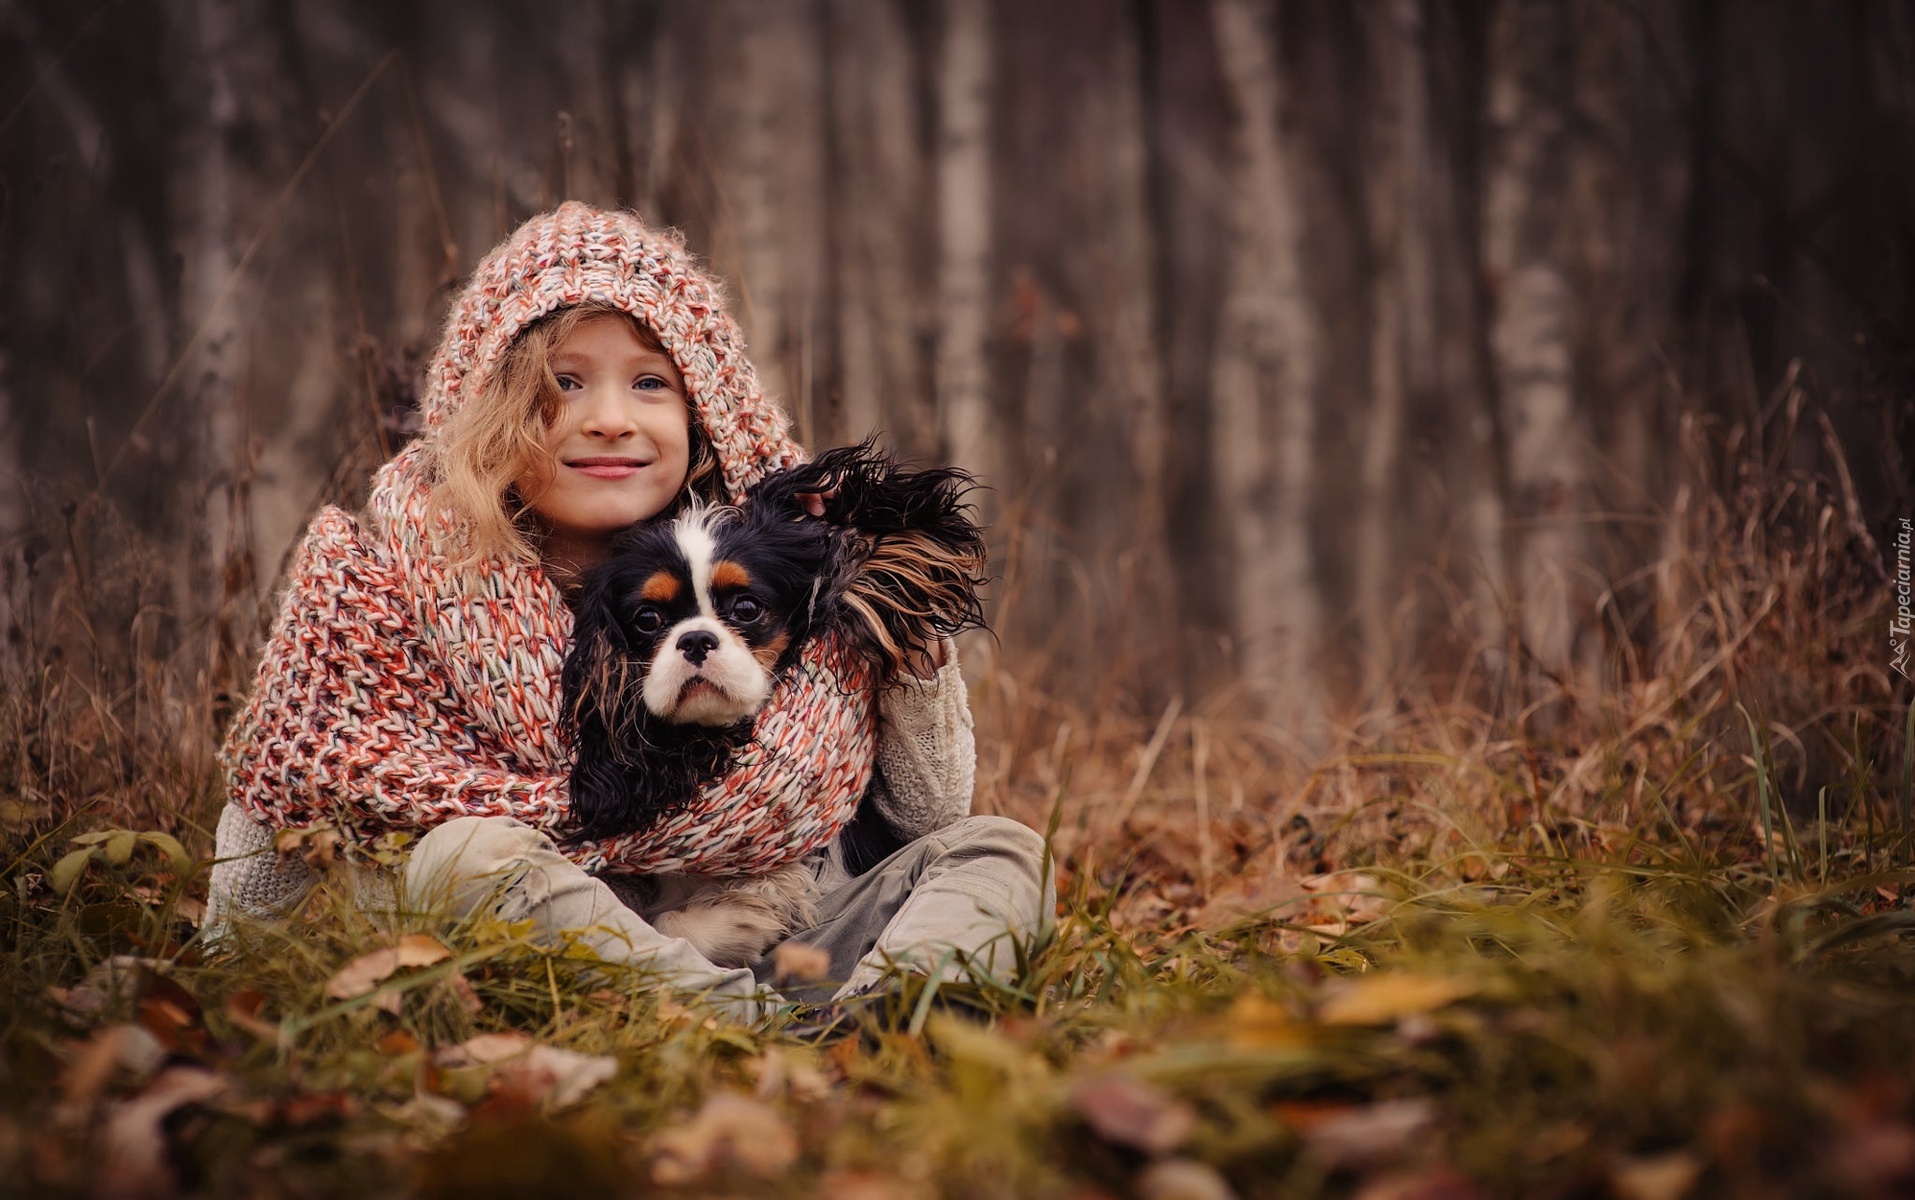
(118, 849)
(168, 845)
(1255, 1023)
(1381, 999)
(66, 872)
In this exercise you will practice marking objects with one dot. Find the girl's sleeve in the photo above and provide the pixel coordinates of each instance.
(927, 752)
(345, 723)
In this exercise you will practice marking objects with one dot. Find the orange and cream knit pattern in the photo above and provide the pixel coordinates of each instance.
(398, 693)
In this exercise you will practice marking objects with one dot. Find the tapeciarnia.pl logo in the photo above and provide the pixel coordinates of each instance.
(1902, 620)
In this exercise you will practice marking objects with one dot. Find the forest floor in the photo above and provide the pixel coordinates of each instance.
(1648, 941)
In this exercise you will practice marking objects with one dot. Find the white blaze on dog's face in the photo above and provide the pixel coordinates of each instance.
(717, 634)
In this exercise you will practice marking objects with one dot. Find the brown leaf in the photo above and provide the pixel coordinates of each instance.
(243, 1008)
(110, 982)
(396, 1043)
(1389, 996)
(133, 1159)
(729, 1131)
(1377, 1133)
(1277, 897)
(1130, 1112)
(1443, 1183)
(368, 971)
(1664, 1177)
(98, 1059)
(530, 1074)
(1182, 1179)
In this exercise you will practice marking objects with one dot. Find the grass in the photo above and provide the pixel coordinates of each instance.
(1646, 940)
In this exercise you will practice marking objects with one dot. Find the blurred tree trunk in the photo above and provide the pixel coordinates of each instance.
(767, 146)
(1527, 206)
(960, 372)
(877, 206)
(1130, 328)
(223, 65)
(1264, 385)
(1402, 304)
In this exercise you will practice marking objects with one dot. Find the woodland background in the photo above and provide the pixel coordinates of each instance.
(1310, 345)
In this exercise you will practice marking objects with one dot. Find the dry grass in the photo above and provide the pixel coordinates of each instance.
(1648, 939)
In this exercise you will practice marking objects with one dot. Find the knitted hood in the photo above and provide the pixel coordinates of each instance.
(578, 254)
(399, 690)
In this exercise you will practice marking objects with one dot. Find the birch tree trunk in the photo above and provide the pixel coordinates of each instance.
(1525, 207)
(960, 371)
(1264, 386)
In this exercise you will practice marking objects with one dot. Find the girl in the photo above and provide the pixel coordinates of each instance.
(589, 377)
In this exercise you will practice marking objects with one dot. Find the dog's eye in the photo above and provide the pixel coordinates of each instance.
(648, 620)
(746, 609)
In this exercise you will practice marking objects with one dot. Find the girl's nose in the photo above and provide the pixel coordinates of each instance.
(605, 416)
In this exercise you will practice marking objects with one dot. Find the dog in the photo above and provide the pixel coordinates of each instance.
(686, 628)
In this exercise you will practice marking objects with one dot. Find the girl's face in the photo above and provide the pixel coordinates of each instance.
(619, 444)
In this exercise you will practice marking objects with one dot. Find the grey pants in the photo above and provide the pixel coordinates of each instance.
(951, 900)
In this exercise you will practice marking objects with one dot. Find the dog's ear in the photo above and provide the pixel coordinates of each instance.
(914, 569)
(598, 684)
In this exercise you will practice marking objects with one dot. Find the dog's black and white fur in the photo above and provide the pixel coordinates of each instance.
(684, 631)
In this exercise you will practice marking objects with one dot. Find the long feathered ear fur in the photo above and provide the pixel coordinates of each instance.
(633, 769)
(908, 561)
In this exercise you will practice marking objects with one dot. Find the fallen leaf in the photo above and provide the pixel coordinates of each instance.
(111, 982)
(1443, 1183)
(1370, 1135)
(529, 1073)
(1664, 1177)
(133, 1160)
(729, 1131)
(243, 1008)
(1875, 1155)
(396, 1043)
(1343, 899)
(481, 1049)
(1130, 1112)
(1256, 1023)
(1182, 1179)
(1389, 996)
(97, 1060)
(841, 1184)
(1251, 899)
(796, 962)
(782, 1072)
(360, 976)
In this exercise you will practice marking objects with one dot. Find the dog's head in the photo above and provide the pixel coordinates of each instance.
(684, 630)
(695, 617)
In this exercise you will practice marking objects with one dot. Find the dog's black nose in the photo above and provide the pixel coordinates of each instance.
(696, 644)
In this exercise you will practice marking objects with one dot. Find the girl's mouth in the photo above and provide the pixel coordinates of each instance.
(606, 468)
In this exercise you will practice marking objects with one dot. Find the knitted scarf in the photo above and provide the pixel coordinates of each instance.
(397, 692)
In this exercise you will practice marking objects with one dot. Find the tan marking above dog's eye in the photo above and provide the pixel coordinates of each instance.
(728, 574)
(661, 588)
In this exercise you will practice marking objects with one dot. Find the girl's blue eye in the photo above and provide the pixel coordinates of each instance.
(651, 383)
(567, 383)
